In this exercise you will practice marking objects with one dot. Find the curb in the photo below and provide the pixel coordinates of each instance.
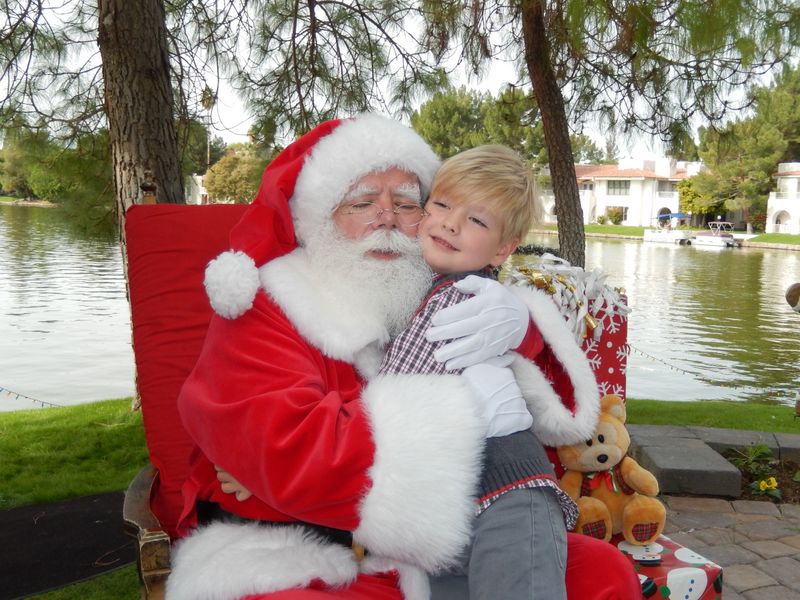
(687, 460)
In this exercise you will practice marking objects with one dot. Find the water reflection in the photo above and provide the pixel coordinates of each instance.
(64, 318)
(706, 323)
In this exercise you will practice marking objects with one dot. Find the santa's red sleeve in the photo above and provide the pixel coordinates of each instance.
(395, 461)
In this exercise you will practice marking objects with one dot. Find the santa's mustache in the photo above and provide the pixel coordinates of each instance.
(389, 241)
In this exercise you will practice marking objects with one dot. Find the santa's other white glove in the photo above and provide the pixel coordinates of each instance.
(489, 324)
(502, 404)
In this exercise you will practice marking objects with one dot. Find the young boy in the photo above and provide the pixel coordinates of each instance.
(482, 203)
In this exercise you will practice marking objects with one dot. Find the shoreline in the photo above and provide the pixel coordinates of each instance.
(39, 203)
(745, 243)
(771, 245)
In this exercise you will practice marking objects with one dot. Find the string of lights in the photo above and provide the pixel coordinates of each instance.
(18, 395)
(772, 392)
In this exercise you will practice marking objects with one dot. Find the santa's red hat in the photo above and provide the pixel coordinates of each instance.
(300, 189)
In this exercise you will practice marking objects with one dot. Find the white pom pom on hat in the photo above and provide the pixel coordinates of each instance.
(231, 283)
(299, 190)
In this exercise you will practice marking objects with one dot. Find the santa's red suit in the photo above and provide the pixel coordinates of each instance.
(283, 399)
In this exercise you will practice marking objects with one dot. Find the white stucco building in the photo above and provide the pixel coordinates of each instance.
(195, 192)
(783, 206)
(642, 188)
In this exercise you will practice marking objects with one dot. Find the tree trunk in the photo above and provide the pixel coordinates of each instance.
(571, 238)
(138, 95)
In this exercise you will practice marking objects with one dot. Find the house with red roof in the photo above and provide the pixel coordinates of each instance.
(641, 189)
(783, 205)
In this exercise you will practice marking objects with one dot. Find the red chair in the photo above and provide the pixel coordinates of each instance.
(168, 247)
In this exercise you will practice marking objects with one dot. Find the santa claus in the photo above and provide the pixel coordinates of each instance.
(285, 399)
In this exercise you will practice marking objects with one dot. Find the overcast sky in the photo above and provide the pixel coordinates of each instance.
(231, 120)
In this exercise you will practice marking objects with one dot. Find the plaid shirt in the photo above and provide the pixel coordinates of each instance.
(411, 353)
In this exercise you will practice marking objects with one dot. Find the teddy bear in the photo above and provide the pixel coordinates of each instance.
(613, 492)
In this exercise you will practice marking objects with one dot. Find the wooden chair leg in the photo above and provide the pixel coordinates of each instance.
(152, 542)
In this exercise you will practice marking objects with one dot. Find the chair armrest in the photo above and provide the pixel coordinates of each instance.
(136, 508)
(152, 542)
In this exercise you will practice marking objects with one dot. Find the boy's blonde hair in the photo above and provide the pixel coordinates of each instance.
(494, 176)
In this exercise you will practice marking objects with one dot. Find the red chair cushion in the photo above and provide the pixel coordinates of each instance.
(168, 248)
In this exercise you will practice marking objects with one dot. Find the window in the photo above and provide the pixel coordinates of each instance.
(667, 186)
(619, 187)
(787, 186)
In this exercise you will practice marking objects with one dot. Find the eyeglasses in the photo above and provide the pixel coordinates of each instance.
(408, 215)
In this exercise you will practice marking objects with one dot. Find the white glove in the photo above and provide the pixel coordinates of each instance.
(502, 404)
(488, 324)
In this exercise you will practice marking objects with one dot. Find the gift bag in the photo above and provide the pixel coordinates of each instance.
(596, 313)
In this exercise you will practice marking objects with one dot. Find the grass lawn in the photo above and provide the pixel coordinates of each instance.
(59, 453)
(614, 229)
(777, 238)
(602, 229)
(606, 229)
(119, 584)
(773, 418)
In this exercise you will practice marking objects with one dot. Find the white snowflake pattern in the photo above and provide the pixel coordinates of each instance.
(622, 352)
(612, 326)
(618, 390)
(604, 387)
(590, 346)
(615, 320)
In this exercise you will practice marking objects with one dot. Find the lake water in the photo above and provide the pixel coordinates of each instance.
(705, 323)
(64, 318)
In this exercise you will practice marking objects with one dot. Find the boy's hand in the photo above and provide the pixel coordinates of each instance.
(231, 486)
(489, 324)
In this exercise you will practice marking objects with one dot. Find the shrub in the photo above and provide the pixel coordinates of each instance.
(614, 214)
(756, 460)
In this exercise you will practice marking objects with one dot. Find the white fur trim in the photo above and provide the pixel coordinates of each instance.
(552, 422)
(356, 147)
(368, 360)
(231, 283)
(336, 318)
(414, 581)
(232, 560)
(428, 446)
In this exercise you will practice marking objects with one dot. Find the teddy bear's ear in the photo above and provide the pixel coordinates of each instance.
(613, 405)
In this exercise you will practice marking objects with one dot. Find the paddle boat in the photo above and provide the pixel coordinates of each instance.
(719, 235)
(662, 231)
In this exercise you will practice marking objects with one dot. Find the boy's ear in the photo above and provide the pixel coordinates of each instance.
(504, 251)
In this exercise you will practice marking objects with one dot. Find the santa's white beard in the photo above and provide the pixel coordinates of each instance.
(393, 287)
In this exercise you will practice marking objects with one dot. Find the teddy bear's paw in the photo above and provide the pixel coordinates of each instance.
(644, 533)
(596, 529)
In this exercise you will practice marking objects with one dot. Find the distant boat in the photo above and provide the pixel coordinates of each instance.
(663, 231)
(720, 235)
(668, 236)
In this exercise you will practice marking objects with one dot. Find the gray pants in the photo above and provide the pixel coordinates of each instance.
(518, 551)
